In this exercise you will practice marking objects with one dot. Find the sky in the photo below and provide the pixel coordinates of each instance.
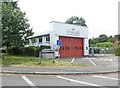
(101, 16)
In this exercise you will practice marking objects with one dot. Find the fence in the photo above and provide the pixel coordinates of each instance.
(101, 50)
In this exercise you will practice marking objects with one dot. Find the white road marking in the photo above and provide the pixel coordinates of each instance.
(91, 61)
(86, 83)
(73, 60)
(110, 59)
(29, 82)
(113, 62)
(105, 77)
(90, 58)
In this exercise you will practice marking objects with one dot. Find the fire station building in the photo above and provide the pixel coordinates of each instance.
(67, 39)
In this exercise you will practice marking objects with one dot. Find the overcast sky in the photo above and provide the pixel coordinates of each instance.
(101, 15)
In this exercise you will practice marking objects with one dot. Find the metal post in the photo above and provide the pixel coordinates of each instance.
(40, 56)
(104, 51)
(92, 51)
(53, 57)
(58, 52)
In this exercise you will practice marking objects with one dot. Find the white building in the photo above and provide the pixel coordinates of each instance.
(74, 39)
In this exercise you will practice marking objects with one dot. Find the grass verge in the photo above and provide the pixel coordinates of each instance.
(8, 60)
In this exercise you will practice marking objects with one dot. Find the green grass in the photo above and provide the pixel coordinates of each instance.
(8, 60)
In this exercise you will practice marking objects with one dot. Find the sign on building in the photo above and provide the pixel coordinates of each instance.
(59, 42)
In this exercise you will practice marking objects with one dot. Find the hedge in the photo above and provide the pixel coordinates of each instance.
(26, 51)
(104, 44)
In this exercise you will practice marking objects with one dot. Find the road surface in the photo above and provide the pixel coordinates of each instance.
(61, 80)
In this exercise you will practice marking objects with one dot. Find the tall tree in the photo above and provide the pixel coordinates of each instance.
(103, 38)
(76, 20)
(93, 41)
(15, 27)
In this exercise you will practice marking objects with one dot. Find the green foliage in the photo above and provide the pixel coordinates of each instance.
(93, 42)
(15, 60)
(111, 39)
(76, 20)
(117, 37)
(26, 51)
(117, 50)
(104, 44)
(15, 27)
(101, 39)
(9, 60)
(100, 42)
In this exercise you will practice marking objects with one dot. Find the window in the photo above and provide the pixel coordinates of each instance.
(40, 39)
(47, 38)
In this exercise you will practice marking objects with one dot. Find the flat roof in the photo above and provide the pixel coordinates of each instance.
(38, 35)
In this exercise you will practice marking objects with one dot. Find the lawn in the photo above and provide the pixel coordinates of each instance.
(10, 60)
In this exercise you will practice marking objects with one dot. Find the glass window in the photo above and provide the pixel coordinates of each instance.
(40, 39)
(47, 38)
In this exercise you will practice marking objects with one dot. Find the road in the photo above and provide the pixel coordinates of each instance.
(61, 80)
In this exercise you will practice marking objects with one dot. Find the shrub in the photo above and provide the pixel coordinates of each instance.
(26, 51)
(117, 50)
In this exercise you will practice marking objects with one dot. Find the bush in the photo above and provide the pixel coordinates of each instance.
(26, 51)
(117, 50)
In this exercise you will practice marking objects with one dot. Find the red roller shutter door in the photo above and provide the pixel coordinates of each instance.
(71, 47)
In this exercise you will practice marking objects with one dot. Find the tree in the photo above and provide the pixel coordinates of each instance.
(117, 37)
(93, 42)
(111, 39)
(15, 27)
(76, 20)
(103, 38)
